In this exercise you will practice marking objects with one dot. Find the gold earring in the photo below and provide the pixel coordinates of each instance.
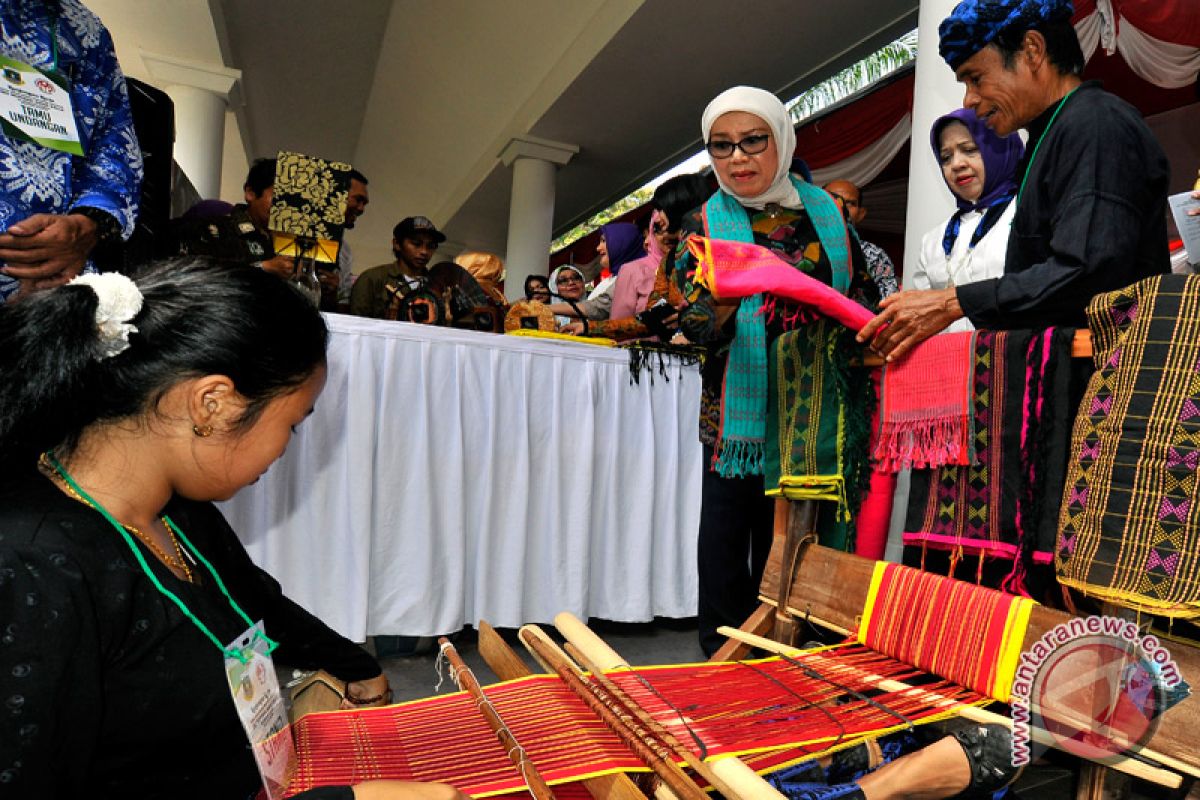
(203, 431)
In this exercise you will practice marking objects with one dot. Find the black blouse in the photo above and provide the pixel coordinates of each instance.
(108, 689)
(1091, 218)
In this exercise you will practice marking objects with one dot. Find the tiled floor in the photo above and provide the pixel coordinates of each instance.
(674, 642)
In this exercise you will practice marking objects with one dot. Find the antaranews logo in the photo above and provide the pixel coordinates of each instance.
(1096, 686)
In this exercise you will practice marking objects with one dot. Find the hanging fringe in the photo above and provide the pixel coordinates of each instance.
(652, 357)
(921, 440)
(738, 458)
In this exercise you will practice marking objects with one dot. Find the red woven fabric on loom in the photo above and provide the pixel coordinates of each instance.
(926, 416)
(957, 630)
(783, 709)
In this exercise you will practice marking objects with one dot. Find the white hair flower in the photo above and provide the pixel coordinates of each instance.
(120, 301)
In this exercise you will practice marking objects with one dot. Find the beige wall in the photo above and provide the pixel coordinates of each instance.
(465, 108)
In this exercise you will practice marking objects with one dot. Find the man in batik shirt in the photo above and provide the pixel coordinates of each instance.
(56, 207)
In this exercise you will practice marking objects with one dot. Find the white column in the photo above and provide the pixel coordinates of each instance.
(935, 92)
(531, 208)
(201, 94)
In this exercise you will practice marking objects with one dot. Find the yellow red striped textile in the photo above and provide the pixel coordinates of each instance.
(776, 710)
(964, 633)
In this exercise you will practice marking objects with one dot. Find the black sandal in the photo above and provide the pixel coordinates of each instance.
(989, 753)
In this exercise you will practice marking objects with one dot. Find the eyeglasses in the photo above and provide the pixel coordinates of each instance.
(751, 146)
(846, 201)
(569, 277)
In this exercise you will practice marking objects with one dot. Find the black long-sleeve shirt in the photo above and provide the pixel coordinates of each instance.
(108, 690)
(1091, 217)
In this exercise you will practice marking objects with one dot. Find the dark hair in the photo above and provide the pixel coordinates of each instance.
(530, 279)
(679, 195)
(198, 318)
(261, 176)
(358, 176)
(1062, 45)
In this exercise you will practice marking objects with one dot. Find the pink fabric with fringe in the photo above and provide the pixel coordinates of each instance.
(738, 269)
(926, 416)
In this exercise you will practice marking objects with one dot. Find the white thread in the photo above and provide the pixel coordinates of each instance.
(120, 300)
(438, 664)
(520, 764)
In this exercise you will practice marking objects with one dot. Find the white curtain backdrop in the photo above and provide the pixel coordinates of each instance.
(448, 476)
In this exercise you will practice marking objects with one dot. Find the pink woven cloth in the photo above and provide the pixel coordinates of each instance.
(926, 408)
(739, 269)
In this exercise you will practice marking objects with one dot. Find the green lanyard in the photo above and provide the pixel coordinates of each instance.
(1037, 145)
(53, 42)
(228, 652)
(53, 39)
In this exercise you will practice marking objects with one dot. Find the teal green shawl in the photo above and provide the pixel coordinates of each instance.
(740, 444)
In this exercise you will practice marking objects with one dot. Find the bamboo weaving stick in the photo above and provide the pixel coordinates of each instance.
(600, 703)
(465, 679)
(597, 656)
(508, 666)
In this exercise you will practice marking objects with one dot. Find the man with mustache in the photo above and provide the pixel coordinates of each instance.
(1090, 214)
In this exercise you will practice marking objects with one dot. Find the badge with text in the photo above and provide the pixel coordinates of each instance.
(260, 707)
(35, 106)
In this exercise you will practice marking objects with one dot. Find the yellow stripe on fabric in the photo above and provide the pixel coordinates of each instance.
(1010, 654)
(872, 596)
(700, 248)
(811, 487)
(566, 337)
(1132, 600)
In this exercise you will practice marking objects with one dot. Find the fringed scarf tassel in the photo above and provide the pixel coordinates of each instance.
(920, 440)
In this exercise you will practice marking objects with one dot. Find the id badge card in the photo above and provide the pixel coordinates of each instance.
(260, 707)
(35, 106)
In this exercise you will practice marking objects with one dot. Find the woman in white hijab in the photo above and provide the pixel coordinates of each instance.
(750, 141)
(567, 284)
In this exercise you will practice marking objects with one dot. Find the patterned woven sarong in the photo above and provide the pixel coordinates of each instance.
(998, 507)
(925, 419)
(818, 431)
(1130, 524)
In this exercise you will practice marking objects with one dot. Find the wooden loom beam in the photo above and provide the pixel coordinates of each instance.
(549, 654)
(830, 588)
(507, 665)
(730, 775)
(465, 680)
(1127, 765)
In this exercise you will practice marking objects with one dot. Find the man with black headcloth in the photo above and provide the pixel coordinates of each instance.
(1090, 214)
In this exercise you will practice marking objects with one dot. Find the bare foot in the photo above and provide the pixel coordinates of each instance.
(933, 772)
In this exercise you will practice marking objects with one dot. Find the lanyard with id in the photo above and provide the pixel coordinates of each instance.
(248, 665)
(35, 104)
(259, 703)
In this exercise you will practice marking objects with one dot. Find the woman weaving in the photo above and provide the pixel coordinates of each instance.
(125, 408)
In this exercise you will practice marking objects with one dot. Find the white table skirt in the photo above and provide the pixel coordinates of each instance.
(450, 476)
